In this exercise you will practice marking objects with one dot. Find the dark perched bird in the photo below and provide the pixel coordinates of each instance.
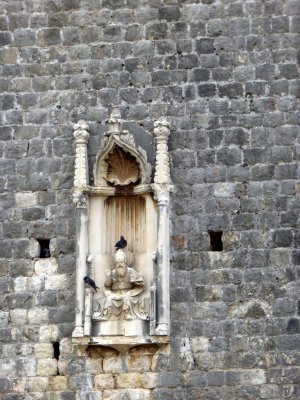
(45, 253)
(122, 243)
(89, 281)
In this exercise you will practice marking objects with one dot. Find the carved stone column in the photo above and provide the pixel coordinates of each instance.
(162, 187)
(162, 169)
(81, 136)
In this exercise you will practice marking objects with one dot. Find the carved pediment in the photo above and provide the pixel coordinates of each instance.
(119, 161)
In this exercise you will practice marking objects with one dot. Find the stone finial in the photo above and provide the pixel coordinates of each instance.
(81, 132)
(162, 128)
(115, 123)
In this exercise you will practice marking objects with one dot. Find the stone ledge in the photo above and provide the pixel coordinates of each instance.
(124, 343)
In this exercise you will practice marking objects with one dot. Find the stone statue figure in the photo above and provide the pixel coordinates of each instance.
(123, 293)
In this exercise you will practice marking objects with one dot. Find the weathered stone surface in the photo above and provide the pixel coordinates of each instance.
(43, 350)
(113, 365)
(104, 381)
(46, 366)
(49, 333)
(58, 383)
(37, 384)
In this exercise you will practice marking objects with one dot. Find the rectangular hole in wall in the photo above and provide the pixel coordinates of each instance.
(44, 248)
(216, 243)
(56, 350)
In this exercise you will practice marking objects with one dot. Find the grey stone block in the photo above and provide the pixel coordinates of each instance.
(5, 385)
(200, 74)
(238, 27)
(156, 30)
(207, 90)
(49, 36)
(179, 30)
(19, 300)
(24, 37)
(286, 171)
(70, 36)
(262, 172)
(265, 72)
(215, 378)
(289, 71)
(282, 238)
(188, 61)
(21, 268)
(8, 167)
(169, 13)
(5, 38)
(218, 107)
(229, 156)
(205, 46)
(233, 90)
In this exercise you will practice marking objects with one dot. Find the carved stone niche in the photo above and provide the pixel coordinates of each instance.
(130, 199)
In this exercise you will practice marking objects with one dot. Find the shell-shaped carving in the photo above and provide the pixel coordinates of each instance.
(123, 168)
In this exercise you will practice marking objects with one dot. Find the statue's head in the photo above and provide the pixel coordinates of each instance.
(120, 263)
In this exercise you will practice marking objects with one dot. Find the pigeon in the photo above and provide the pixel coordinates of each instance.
(122, 243)
(45, 253)
(89, 281)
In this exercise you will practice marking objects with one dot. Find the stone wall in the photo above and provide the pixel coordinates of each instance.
(226, 74)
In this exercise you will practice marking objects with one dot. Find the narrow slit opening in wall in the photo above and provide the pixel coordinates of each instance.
(56, 351)
(44, 248)
(216, 243)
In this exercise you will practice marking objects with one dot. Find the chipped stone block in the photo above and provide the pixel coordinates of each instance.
(58, 383)
(46, 366)
(139, 363)
(200, 344)
(24, 200)
(130, 394)
(93, 366)
(20, 284)
(43, 350)
(104, 381)
(253, 377)
(49, 333)
(45, 266)
(128, 380)
(37, 384)
(113, 365)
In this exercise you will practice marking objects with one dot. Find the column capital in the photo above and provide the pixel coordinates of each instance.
(81, 132)
(162, 129)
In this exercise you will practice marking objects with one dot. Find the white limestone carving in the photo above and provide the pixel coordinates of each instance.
(132, 303)
(123, 293)
(123, 169)
(162, 187)
(162, 169)
(81, 135)
(115, 123)
(120, 142)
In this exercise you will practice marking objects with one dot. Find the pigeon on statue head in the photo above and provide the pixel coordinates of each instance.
(122, 243)
(89, 281)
